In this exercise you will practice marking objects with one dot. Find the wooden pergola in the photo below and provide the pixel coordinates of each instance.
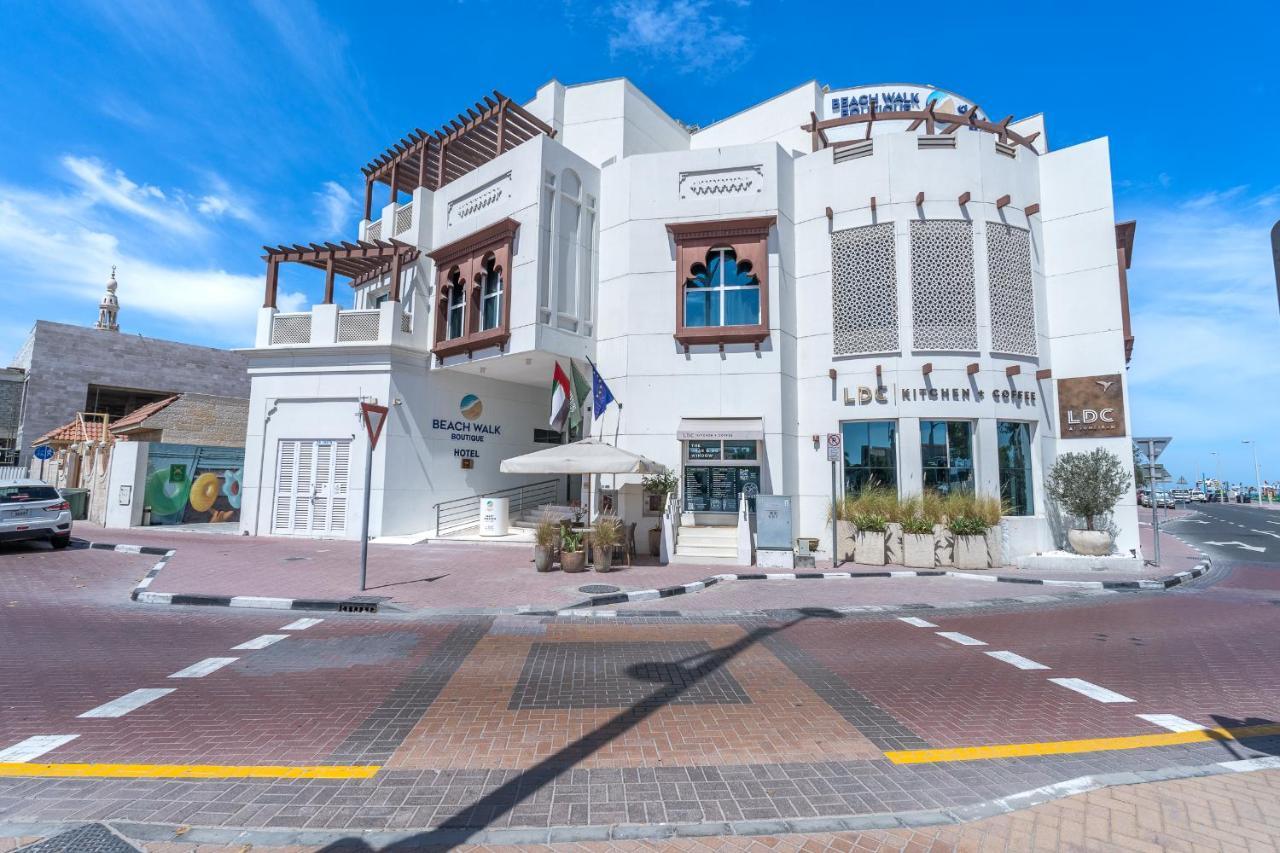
(359, 261)
(432, 160)
(929, 117)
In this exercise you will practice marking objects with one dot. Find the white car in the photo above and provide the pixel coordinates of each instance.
(32, 509)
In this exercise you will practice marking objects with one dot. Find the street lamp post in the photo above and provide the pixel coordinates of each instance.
(1257, 472)
(1217, 458)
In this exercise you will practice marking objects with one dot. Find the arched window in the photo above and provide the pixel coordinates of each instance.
(566, 263)
(490, 294)
(722, 292)
(455, 325)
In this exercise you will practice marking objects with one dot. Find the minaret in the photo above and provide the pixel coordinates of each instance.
(109, 307)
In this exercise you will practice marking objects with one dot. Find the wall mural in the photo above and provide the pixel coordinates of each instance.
(190, 484)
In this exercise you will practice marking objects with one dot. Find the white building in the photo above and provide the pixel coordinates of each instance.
(885, 263)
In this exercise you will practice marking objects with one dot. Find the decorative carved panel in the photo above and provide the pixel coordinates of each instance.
(464, 207)
(1011, 288)
(717, 183)
(864, 290)
(944, 314)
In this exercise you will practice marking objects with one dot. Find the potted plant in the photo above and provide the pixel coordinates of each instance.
(938, 508)
(572, 556)
(663, 485)
(869, 547)
(546, 537)
(917, 540)
(970, 535)
(991, 510)
(606, 535)
(1087, 486)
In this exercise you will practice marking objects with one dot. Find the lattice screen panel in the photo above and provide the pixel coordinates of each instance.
(291, 329)
(357, 326)
(944, 314)
(1013, 293)
(864, 290)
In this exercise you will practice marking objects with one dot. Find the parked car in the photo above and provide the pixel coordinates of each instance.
(32, 509)
(1181, 496)
(1144, 497)
(1198, 497)
(1164, 499)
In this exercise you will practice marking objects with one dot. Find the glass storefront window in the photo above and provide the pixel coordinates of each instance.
(1015, 467)
(946, 454)
(704, 450)
(870, 455)
(740, 451)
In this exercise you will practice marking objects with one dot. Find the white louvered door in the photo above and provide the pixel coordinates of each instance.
(311, 486)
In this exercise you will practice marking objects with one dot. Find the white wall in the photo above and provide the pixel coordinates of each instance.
(128, 468)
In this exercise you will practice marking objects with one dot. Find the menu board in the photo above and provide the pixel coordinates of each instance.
(716, 488)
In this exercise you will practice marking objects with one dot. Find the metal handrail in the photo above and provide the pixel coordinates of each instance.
(461, 514)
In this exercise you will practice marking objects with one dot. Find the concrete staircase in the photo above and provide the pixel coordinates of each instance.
(707, 544)
(530, 517)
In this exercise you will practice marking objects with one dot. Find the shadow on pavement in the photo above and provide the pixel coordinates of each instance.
(1254, 734)
(675, 678)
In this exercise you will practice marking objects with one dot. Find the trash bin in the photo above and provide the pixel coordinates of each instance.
(79, 501)
(495, 516)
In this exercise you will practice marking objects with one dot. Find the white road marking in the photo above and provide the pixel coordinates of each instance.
(33, 747)
(962, 639)
(301, 624)
(1265, 533)
(1238, 545)
(1172, 723)
(1017, 660)
(916, 621)
(203, 668)
(260, 642)
(128, 702)
(1093, 691)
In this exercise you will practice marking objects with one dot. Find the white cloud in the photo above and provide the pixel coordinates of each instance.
(1205, 320)
(334, 208)
(102, 185)
(685, 33)
(222, 201)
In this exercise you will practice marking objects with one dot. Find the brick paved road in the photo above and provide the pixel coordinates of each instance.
(513, 723)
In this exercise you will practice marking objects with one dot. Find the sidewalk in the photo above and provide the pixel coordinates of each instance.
(465, 577)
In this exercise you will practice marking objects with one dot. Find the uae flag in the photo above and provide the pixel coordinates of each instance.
(559, 398)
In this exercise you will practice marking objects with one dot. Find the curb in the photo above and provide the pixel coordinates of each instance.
(450, 837)
(357, 605)
(142, 595)
(698, 586)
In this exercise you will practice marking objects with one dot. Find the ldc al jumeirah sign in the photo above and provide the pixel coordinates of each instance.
(1091, 407)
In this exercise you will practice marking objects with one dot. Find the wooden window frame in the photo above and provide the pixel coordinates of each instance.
(749, 240)
(467, 255)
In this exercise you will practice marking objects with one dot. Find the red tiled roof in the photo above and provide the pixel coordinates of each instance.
(72, 432)
(137, 416)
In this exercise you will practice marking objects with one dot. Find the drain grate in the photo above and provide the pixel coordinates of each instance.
(597, 588)
(357, 607)
(90, 838)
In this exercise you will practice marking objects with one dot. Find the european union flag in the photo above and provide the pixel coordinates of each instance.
(600, 392)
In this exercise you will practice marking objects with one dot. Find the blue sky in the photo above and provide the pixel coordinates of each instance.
(174, 139)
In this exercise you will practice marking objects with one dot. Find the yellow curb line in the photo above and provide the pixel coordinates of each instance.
(191, 771)
(1063, 747)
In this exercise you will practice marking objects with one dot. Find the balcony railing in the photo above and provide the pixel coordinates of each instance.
(404, 218)
(291, 329)
(374, 232)
(357, 326)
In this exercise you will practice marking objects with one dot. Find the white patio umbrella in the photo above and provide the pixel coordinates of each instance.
(588, 456)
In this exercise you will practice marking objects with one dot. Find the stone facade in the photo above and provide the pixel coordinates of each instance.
(63, 361)
(10, 405)
(198, 419)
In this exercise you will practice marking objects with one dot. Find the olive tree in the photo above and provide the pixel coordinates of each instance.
(1088, 485)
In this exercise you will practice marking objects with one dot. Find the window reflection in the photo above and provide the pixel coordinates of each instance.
(870, 456)
(946, 455)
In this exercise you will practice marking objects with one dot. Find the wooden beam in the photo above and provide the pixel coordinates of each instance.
(926, 368)
(920, 198)
(873, 204)
(395, 277)
(1044, 373)
(269, 299)
(972, 368)
(1013, 370)
(964, 198)
(328, 281)
(368, 198)
(1003, 201)
(831, 374)
(1032, 209)
(830, 216)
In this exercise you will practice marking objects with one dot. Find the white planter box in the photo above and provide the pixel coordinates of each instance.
(917, 550)
(942, 551)
(971, 552)
(893, 543)
(995, 547)
(870, 548)
(847, 535)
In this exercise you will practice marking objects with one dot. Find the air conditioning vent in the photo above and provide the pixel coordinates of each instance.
(853, 151)
(1006, 149)
(923, 142)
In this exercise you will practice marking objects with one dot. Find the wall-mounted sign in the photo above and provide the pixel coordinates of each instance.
(1091, 407)
(894, 98)
(864, 395)
(468, 429)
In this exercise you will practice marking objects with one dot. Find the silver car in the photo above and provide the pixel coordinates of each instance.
(31, 509)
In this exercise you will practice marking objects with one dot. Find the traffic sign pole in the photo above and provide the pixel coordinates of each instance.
(374, 416)
(833, 456)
